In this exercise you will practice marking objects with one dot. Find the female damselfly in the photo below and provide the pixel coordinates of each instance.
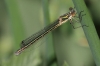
(61, 20)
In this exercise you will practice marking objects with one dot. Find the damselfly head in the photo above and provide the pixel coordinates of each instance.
(72, 11)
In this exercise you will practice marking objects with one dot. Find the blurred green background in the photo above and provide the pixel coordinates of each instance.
(65, 46)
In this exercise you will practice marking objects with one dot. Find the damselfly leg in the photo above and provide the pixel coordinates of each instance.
(78, 21)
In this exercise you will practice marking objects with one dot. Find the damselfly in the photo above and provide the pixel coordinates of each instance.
(61, 20)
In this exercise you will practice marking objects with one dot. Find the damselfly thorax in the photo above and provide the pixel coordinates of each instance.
(35, 37)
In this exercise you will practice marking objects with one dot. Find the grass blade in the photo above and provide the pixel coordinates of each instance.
(90, 32)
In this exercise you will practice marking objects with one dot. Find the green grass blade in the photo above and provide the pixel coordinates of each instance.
(15, 21)
(16, 26)
(90, 32)
(49, 41)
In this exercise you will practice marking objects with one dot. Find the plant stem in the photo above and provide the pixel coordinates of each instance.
(90, 32)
